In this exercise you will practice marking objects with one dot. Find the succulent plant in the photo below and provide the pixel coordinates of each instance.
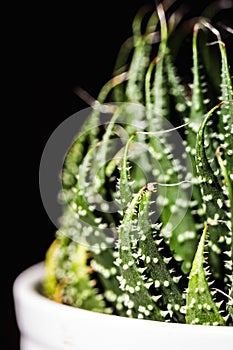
(147, 183)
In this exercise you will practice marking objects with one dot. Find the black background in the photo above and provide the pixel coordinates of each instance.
(51, 51)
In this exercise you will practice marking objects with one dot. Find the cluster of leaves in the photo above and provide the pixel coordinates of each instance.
(147, 229)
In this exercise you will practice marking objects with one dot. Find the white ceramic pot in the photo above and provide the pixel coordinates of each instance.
(47, 325)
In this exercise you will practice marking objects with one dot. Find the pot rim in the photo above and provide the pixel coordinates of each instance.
(27, 286)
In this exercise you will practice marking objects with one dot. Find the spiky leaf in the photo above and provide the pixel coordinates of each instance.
(200, 306)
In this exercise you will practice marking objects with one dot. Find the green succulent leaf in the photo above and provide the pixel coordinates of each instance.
(214, 201)
(132, 279)
(163, 271)
(50, 280)
(75, 287)
(200, 306)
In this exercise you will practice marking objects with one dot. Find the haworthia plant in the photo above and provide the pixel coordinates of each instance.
(148, 194)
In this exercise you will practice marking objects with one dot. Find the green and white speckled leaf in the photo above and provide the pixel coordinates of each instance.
(162, 270)
(200, 305)
(214, 200)
(73, 285)
(132, 280)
